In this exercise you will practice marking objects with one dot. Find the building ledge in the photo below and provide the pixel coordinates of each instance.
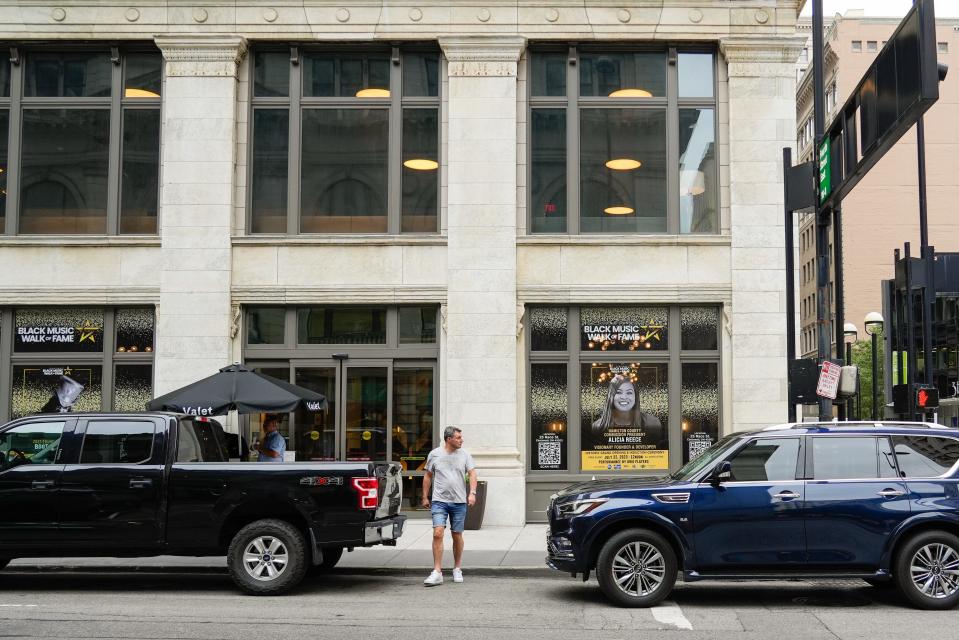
(366, 240)
(79, 241)
(597, 240)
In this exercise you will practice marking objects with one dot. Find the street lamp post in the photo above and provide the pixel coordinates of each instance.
(873, 323)
(850, 335)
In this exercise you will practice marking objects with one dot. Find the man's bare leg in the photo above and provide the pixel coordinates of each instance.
(438, 547)
(457, 549)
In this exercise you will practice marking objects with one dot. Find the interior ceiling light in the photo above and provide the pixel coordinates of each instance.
(140, 93)
(623, 164)
(692, 183)
(618, 211)
(631, 93)
(373, 93)
(421, 164)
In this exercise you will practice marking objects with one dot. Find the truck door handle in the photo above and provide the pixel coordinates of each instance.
(42, 484)
(140, 483)
(891, 493)
(786, 495)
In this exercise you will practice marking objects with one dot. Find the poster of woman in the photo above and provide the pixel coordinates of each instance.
(623, 436)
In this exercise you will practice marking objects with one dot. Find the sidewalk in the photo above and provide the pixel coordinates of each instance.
(490, 548)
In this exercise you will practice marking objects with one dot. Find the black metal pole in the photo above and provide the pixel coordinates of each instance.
(896, 335)
(910, 332)
(875, 374)
(790, 286)
(822, 220)
(838, 289)
(849, 402)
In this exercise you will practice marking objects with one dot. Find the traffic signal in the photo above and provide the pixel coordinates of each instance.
(927, 397)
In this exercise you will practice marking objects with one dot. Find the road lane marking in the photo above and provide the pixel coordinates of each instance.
(670, 613)
(19, 605)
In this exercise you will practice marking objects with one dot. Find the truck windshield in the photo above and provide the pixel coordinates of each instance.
(694, 466)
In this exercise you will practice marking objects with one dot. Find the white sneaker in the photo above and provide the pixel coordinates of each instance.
(435, 579)
(457, 575)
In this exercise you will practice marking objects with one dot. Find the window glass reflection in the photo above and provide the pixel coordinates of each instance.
(700, 403)
(623, 170)
(421, 74)
(341, 325)
(4, 126)
(417, 325)
(344, 170)
(623, 75)
(142, 75)
(316, 430)
(67, 75)
(268, 176)
(265, 325)
(549, 421)
(366, 401)
(548, 74)
(412, 429)
(271, 73)
(695, 75)
(548, 171)
(141, 171)
(698, 195)
(346, 75)
(64, 171)
(420, 169)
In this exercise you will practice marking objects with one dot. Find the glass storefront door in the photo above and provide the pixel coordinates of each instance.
(316, 430)
(366, 403)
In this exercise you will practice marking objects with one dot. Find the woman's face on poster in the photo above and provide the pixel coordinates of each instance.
(625, 397)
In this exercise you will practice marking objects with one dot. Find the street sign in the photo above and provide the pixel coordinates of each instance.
(825, 171)
(829, 380)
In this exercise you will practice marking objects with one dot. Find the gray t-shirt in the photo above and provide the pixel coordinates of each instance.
(449, 470)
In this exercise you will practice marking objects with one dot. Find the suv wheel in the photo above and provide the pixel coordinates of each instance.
(331, 555)
(927, 570)
(267, 557)
(636, 568)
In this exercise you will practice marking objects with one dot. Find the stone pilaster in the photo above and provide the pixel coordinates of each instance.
(198, 152)
(762, 112)
(481, 316)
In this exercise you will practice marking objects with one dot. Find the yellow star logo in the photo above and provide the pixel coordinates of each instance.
(87, 331)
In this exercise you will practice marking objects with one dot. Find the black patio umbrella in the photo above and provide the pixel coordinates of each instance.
(237, 387)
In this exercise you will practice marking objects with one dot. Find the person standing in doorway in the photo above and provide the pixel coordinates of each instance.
(447, 468)
(272, 445)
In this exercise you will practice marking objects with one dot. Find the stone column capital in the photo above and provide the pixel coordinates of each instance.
(482, 55)
(756, 55)
(201, 55)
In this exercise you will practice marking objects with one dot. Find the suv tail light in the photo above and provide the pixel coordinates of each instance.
(369, 491)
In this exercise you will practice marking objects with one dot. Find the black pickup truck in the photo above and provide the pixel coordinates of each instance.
(147, 484)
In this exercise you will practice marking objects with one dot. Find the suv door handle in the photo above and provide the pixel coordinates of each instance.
(786, 495)
(891, 493)
(140, 483)
(42, 484)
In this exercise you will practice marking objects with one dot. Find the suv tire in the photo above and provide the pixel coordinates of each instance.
(636, 568)
(920, 562)
(331, 555)
(267, 557)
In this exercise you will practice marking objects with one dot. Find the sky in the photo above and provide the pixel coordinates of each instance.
(897, 8)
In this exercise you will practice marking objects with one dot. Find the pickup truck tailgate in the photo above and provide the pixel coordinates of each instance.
(391, 489)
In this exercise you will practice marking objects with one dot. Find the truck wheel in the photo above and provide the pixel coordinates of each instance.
(636, 568)
(927, 570)
(267, 557)
(331, 555)
(4, 562)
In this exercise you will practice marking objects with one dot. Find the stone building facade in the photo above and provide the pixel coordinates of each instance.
(455, 251)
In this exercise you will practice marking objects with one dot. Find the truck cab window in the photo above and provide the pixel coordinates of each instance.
(34, 443)
(117, 442)
(200, 442)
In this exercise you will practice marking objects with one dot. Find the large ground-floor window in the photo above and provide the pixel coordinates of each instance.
(377, 367)
(617, 389)
(63, 359)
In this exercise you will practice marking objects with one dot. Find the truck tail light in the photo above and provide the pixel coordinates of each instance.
(369, 490)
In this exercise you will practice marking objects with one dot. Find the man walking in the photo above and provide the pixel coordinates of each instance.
(446, 470)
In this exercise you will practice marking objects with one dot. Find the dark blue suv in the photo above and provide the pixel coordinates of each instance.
(877, 501)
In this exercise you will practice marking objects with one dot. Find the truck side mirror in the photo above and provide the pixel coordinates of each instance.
(721, 472)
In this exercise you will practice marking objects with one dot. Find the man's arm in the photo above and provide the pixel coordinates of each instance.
(471, 500)
(427, 481)
(267, 450)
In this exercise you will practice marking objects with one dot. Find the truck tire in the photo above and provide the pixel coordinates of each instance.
(636, 568)
(4, 562)
(925, 570)
(331, 555)
(267, 557)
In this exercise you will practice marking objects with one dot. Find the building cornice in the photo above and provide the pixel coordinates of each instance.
(626, 294)
(201, 54)
(65, 296)
(350, 294)
(762, 49)
(482, 55)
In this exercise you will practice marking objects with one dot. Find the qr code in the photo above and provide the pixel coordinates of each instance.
(550, 453)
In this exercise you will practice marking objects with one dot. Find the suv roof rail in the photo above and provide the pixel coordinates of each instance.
(895, 424)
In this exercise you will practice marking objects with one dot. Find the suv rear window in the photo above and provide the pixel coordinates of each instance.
(850, 458)
(925, 456)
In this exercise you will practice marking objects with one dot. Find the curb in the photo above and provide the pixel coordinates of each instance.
(518, 572)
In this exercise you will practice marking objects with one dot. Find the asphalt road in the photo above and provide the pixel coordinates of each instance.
(499, 605)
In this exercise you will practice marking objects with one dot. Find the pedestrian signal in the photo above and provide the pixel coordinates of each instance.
(927, 397)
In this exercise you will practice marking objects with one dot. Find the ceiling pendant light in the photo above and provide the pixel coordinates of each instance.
(631, 93)
(623, 164)
(421, 164)
(139, 93)
(618, 211)
(373, 93)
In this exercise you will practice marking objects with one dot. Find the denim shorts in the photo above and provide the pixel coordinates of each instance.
(456, 512)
